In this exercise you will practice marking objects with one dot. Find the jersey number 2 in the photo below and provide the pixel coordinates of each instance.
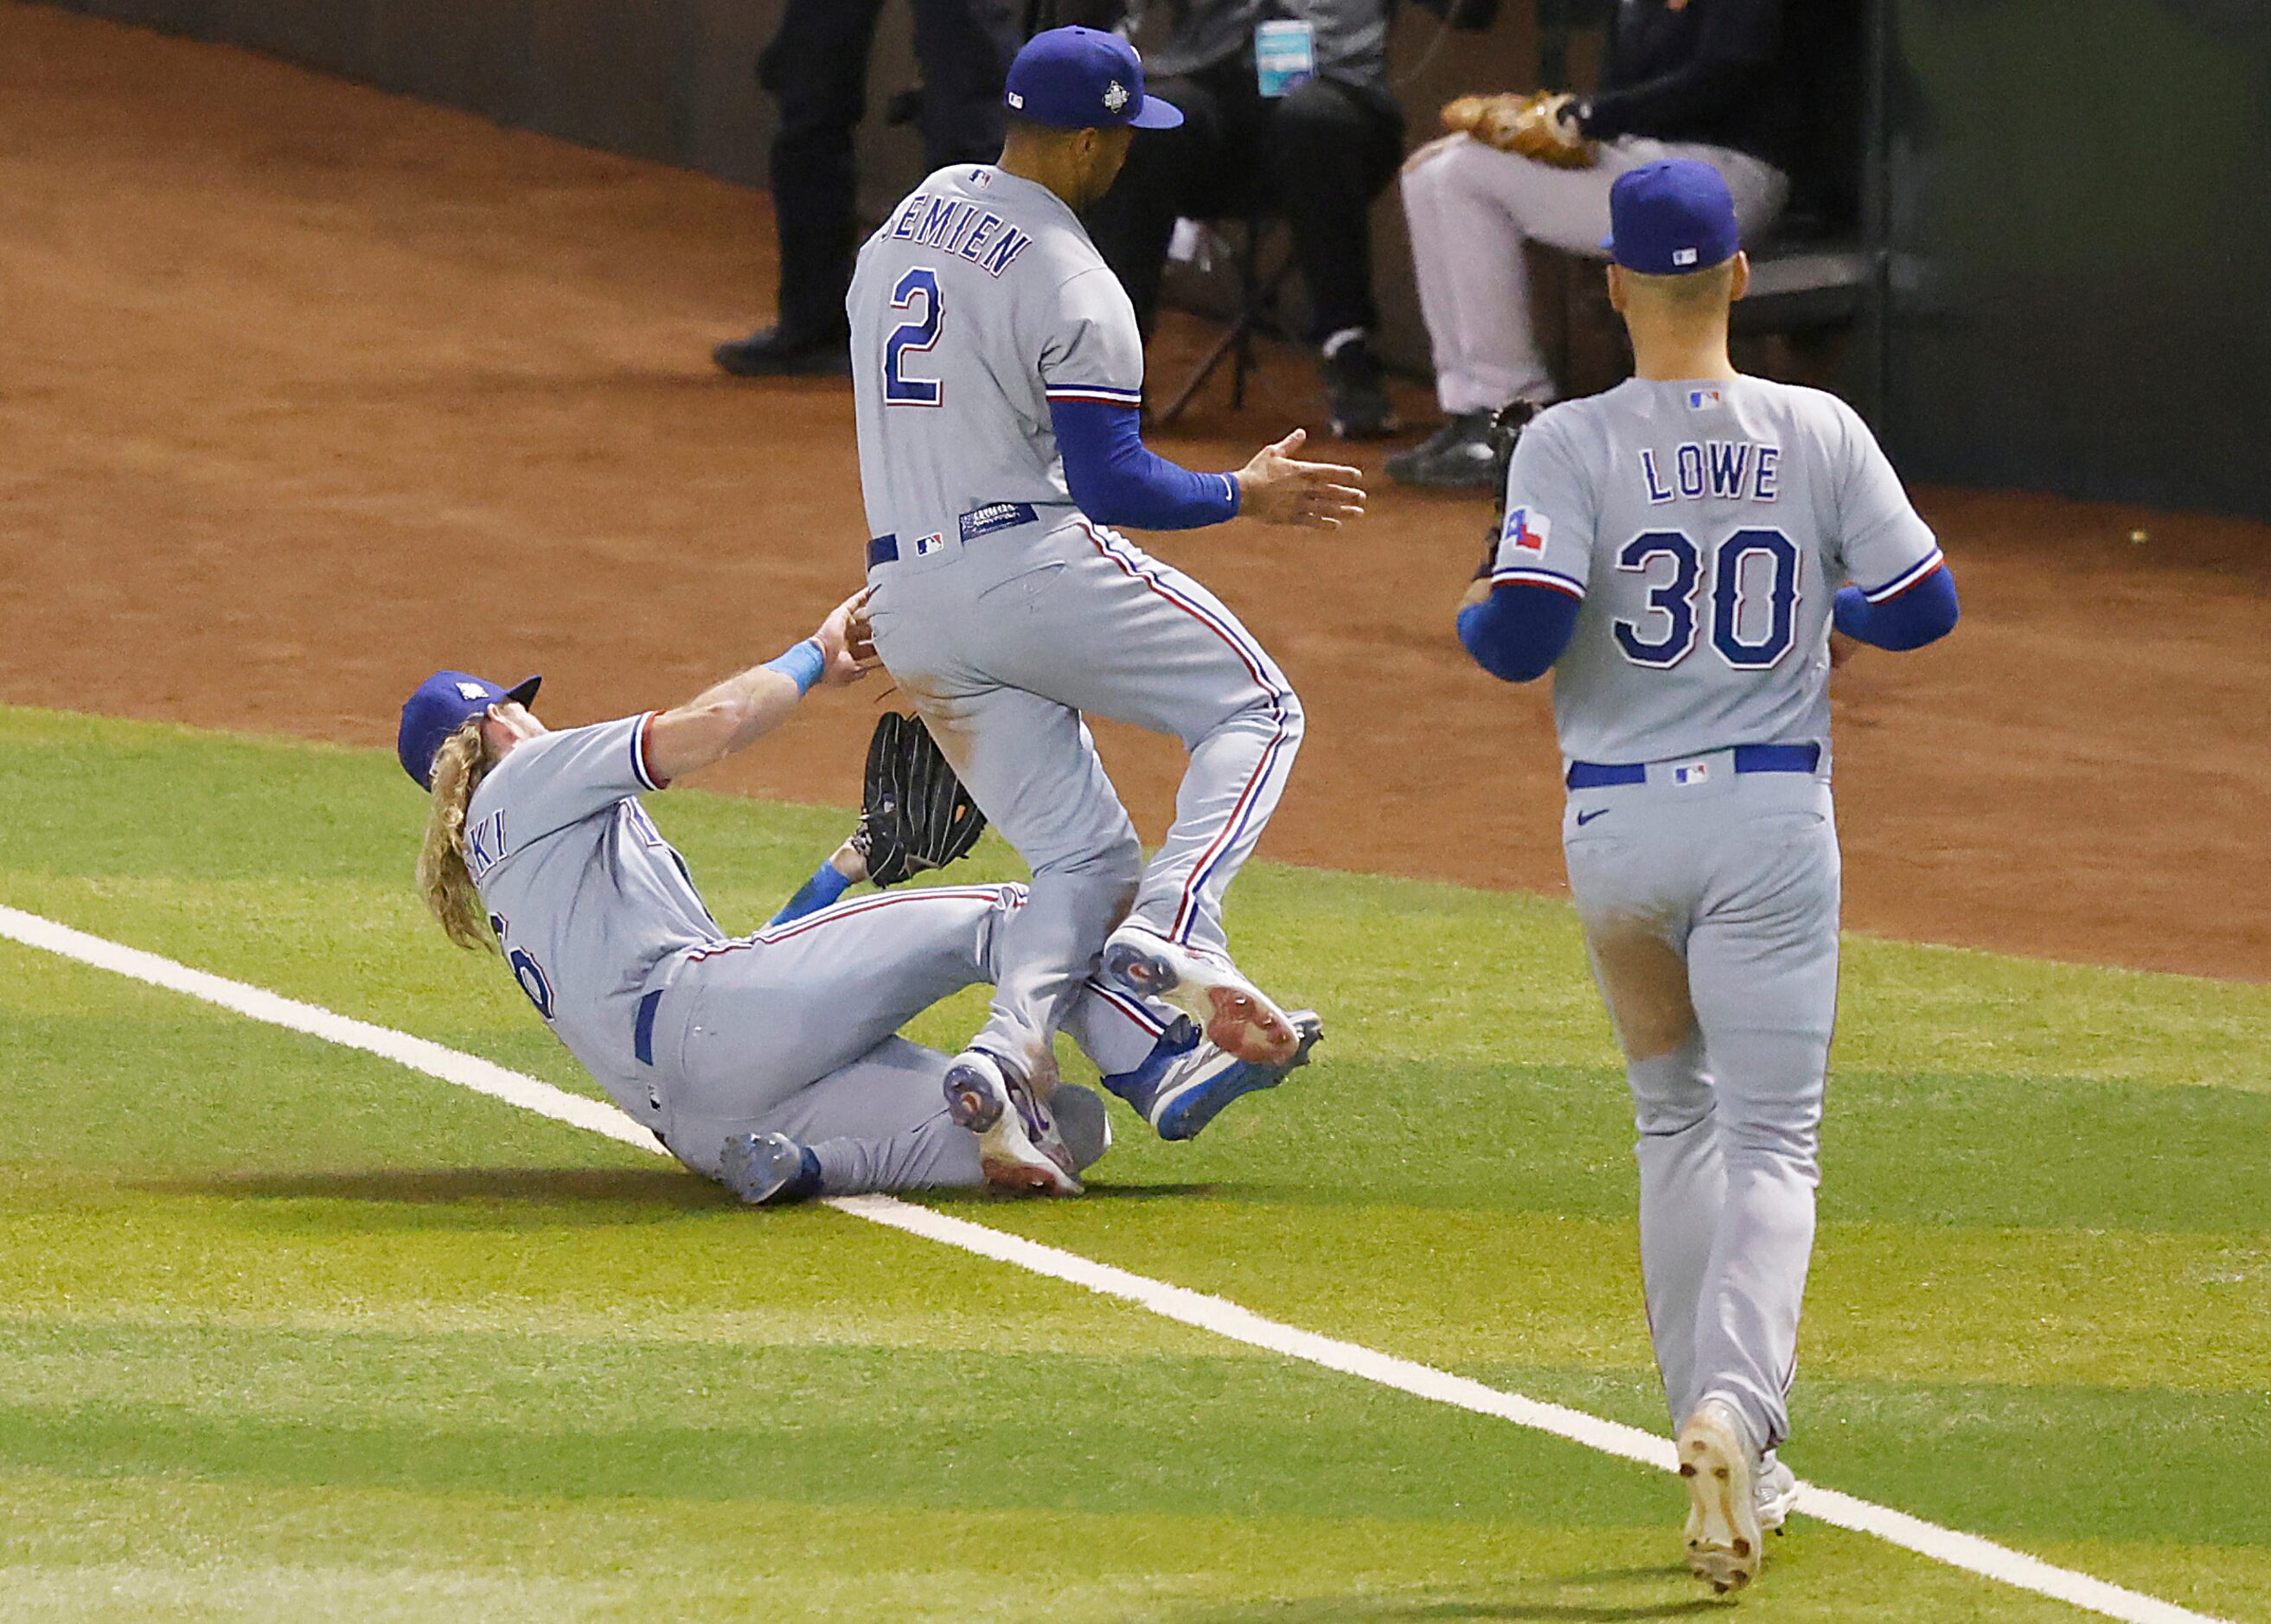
(912, 337)
(1737, 569)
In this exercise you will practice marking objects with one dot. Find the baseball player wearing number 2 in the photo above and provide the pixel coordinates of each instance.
(771, 1063)
(1677, 551)
(999, 372)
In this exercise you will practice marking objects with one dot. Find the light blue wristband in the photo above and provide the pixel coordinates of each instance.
(801, 665)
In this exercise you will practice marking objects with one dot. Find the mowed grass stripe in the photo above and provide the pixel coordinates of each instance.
(1225, 1319)
(2009, 1212)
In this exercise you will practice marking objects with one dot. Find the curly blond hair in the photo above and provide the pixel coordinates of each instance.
(444, 880)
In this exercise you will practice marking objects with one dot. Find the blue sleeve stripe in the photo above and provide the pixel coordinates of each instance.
(1901, 583)
(1539, 577)
(1104, 392)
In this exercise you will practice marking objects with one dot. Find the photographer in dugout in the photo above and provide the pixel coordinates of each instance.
(1714, 80)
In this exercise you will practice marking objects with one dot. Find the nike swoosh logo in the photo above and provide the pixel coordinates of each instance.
(1584, 818)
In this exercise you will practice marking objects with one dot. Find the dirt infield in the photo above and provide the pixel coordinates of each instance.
(307, 389)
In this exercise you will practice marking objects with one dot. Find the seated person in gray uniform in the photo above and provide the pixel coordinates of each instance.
(771, 1061)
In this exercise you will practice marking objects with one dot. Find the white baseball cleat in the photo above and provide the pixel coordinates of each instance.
(1018, 1145)
(1237, 1016)
(1724, 1546)
(1775, 1492)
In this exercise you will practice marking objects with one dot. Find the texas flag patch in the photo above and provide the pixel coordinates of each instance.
(1525, 533)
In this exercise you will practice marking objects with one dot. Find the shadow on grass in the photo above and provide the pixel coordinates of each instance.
(671, 1188)
(1421, 1610)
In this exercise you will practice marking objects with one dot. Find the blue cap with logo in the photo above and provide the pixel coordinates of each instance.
(1084, 79)
(1672, 218)
(444, 703)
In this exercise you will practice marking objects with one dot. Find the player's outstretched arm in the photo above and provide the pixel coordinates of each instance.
(1278, 488)
(742, 710)
(1117, 480)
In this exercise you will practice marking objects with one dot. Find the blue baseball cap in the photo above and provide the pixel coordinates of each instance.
(1084, 79)
(1672, 218)
(444, 703)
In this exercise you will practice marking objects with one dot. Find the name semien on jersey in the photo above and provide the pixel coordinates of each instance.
(959, 226)
(1713, 471)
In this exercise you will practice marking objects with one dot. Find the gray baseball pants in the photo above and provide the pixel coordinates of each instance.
(1711, 915)
(795, 1031)
(1003, 643)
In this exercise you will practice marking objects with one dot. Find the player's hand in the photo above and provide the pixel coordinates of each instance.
(848, 642)
(1277, 489)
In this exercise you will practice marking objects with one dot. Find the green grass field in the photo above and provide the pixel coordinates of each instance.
(290, 1332)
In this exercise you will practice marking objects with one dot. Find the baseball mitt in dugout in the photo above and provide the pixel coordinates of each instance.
(914, 812)
(1531, 126)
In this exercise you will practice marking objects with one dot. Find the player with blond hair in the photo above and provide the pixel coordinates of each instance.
(769, 1062)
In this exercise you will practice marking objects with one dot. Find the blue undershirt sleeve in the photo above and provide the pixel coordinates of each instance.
(1117, 481)
(1519, 630)
(1922, 613)
(821, 890)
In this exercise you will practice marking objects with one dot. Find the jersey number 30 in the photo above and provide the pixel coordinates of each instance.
(912, 337)
(1748, 566)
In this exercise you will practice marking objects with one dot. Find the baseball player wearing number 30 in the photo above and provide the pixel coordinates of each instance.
(1677, 551)
(998, 372)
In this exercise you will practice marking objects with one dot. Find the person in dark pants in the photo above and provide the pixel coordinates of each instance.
(1315, 156)
(816, 68)
(1720, 81)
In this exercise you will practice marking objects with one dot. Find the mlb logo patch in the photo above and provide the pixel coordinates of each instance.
(1685, 255)
(1692, 772)
(1699, 400)
(1525, 532)
(925, 546)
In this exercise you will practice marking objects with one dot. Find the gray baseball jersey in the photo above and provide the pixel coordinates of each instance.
(979, 301)
(1706, 527)
(791, 1029)
(586, 897)
(1007, 617)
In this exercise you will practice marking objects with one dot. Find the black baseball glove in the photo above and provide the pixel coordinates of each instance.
(914, 813)
(1504, 431)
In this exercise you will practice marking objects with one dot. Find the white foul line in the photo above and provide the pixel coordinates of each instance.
(1214, 1314)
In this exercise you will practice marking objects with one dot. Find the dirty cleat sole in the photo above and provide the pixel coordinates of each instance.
(1725, 1547)
(1018, 1146)
(762, 1168)
(1237, 1016)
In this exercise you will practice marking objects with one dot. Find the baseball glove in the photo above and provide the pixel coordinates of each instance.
(1505, 432)
(914, 813)
(1533, 126)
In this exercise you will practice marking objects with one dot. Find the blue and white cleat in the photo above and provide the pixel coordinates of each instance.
(1236, 1015)
(1018, 1145)
(768, 1169)
(1186, 1082)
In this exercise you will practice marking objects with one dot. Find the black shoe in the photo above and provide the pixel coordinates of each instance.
(1360, 407)
(1459, 456)
(773, 353)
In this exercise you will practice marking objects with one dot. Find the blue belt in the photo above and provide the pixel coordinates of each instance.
(982, 521)
(642, 1029)
(1749, 758)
